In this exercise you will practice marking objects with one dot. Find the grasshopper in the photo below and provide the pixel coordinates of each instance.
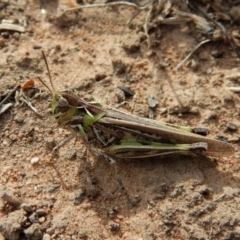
(111, 132)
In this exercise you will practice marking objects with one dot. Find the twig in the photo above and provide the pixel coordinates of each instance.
(5, 107)
(120, 104)
(64, 141)
(190, 54)
(109, 4)
(234, 89)
(31, 106)
(211, 230)
(12, 27)
(145, 26)
(134, 16)
(220, 197)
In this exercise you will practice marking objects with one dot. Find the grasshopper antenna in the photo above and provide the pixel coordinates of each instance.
(50, 78)
(44, 84)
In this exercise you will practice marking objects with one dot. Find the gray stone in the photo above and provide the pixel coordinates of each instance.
(28, 208)
(33, 218)
(10, 226)
(41, 212)
(34, 232)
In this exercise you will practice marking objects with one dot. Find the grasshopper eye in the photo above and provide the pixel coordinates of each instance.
(63, 105)
(63, 102)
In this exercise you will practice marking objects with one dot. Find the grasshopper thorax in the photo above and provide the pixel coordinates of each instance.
(71, 97)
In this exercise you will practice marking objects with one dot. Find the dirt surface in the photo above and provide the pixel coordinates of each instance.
(79, 195)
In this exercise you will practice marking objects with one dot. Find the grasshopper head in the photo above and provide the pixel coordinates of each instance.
(64, 106)
(64, 103)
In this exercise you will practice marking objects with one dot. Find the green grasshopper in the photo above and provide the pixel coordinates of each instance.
(111, 132)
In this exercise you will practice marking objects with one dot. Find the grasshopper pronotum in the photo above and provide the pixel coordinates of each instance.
(111, 132)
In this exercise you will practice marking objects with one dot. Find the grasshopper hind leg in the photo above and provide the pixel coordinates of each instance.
(133, 148)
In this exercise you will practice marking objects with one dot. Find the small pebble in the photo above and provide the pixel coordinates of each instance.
(34, 160)
(149, 53)
(46, 237)
(41, 219)
(100, 76)
(2, 42)
(234, 139)
(83, 235)
(5, 34)
(37, 47)
(4, 143)
(164, 64)
(33, 218)
(20, 136)
(41, 212)
(29, 139)
(232, 127)
(209, 71)
(50, 230)
(151, 101)
(50, 143)
(26, 207)
(58, 47)
(163, 110)
(127, 91)
(16, 35)
(232, 162)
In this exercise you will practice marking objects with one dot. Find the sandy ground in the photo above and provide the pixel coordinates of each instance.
(79, 195)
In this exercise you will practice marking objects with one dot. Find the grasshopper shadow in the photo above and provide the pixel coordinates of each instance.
(131, 184)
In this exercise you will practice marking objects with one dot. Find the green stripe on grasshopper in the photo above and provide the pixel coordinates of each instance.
(134, 148)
